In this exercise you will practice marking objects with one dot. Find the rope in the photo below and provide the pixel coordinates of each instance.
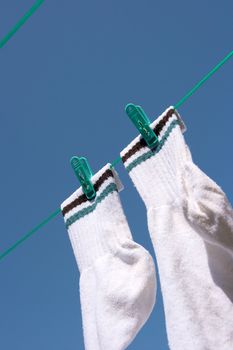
(203, 80)
(30, 233)
(20, 22)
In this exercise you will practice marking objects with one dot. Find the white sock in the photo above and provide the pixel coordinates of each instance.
(117, 275)
(191, 225)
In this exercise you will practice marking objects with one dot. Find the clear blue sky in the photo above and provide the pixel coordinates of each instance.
(65, 78)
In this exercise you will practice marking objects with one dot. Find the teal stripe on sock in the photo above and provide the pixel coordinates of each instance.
(81, 213)
(150, 153)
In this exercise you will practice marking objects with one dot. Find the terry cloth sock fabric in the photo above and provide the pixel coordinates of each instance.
(117, 275)
(191, 225)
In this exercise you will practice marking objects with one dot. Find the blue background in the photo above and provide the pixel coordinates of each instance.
(65, 78)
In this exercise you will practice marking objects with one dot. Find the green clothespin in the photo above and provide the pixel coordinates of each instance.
(83, 172)
(142, 123)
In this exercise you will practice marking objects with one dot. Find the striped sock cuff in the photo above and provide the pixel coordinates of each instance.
(77, 205)
(137, 150)
(96, 226)
(154, 172)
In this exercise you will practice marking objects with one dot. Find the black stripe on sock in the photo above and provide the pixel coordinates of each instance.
(82, 199)
(142, 143)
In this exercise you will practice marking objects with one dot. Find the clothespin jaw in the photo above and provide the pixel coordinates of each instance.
(142, 123)
(83, 172)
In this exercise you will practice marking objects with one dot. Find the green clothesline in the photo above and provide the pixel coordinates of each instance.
(116, 161)
(20, 22)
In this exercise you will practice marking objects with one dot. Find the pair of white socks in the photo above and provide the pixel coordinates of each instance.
(191, 226)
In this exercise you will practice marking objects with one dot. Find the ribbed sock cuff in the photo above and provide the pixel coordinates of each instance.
(156, 173)
(96, 226)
